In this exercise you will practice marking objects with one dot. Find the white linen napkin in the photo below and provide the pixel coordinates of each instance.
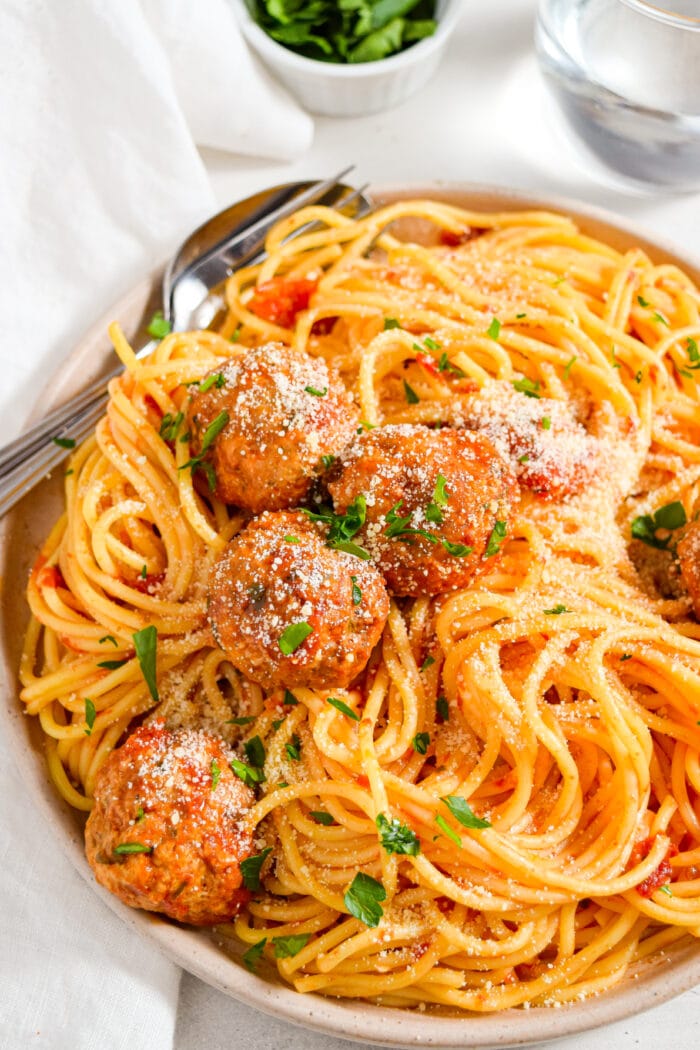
(102, 104)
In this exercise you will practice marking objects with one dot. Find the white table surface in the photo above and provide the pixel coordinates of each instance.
(484, 118)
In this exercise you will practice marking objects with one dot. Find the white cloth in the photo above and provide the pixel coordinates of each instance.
(102, 104)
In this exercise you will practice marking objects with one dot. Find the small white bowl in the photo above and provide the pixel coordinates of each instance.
(347, 90)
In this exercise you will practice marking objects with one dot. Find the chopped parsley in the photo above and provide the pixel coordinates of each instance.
(420, 743)
(445, 365)
(342, 527)
(158, 327)
(125, 848)
(389, 323)
(666, 889)
(428, 662)
(293, 636)
(215, 774)
(569, 366)
(444, 826)
(519, 317)
(363, 899)
(145, 644)
(112, 665)
(210, 435)
(529, 387)
(255, 752)
(90, 714)
(321, 817)
(494, 329)
(315, 392)
(216, 379)
(236, 334)
(64, 442)
(670, 517)
(498, 534)
(660, 319)
(442, 708)
(556, 611)
(396, 837)
(410, 394)
(440, 497)
(339, 705)
(356, 592)
(642, 301)
(289, 699)
(638, 376)
(457, 550)
(250, 775)
(144, 572)
(462, 812)
(109, 638)
(625, 656)
(252, 956)
(431, 344)
(288, 947)
(244, 720)
(251, 868)
(291, 539)
(293, 749)
(327, 461)
(546, 423)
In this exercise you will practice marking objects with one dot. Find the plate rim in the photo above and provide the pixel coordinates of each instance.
(349, 1019)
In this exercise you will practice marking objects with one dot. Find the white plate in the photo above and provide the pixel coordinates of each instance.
(21, 534)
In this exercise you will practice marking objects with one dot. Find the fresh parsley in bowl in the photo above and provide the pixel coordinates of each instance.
(345, 58)
(345, 30)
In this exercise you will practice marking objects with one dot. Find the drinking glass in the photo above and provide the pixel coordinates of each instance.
(626, 75)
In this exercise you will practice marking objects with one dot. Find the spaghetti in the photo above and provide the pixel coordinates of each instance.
(535, 736)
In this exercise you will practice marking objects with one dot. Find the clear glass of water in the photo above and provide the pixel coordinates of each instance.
(626, 75)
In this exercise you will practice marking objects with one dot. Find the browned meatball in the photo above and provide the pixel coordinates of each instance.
(551, 453)
(434, 498)
(286, 415)
(688, 551)
(290, 611)
(167, 830)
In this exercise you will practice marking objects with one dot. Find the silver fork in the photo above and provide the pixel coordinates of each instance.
(186, 290)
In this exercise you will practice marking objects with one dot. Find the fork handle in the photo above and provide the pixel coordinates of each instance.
(17, 482)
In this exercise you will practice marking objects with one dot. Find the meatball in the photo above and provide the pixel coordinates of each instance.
(688, 552)
(290, 611)
(167, 832)
(437, 504)
(551, 453)
(285, 415)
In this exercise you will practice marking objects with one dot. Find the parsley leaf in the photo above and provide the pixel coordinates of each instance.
(250, 775)
(356, 592)
(556, 611)
(112, 665)
(421, 742)
(462, 812)
(252, 957)
(389, 323)
(158, 327)
(321, 817)
(428, 662)
(288, 947)
(570, 365)
(315, 392)
(363, 899)
(494, 329)
(216, 379)
(145, 644)
(64, 442)
(90, 714)
(342, 527)
(339, 705)
(529, 387)
(410, 394)
(396, 837)
(498, 534)
(293, 749)
(109, 638)
(442, 823)
(251, 868)
(244, 720)
(442, 708)
(255, 752)
(670, 517)
(132, 847)
(293, 636)
(215, 773)
(289, 699)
